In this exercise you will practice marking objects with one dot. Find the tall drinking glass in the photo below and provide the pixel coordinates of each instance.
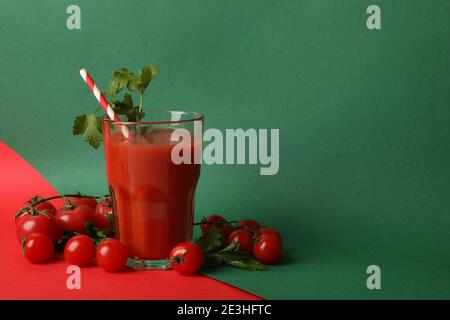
(152, 177)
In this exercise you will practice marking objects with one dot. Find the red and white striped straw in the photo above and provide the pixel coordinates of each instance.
(102, 100)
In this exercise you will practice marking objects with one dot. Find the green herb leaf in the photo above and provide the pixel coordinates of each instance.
(135, 114)
(240, 260)
(124, 106)
(93, 132)
(121, 78)
(232, 247)
(59, 246)
(146, 74)
(210, 260)
(90, 126)
(95, 233)
(79, 125)
(211, 240)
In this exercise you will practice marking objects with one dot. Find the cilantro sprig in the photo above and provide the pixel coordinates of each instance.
(217, 253)
(90, 125)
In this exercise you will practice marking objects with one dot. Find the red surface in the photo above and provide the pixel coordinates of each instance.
(20, 279)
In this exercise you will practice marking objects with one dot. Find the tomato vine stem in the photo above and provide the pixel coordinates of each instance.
(41, 200)
(214, 223)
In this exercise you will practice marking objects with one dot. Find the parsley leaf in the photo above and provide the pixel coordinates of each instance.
(124, 106)
(232, 247)
(61, 243)
(211, 240)
(211, 261)
(240, 260)
(93, 134)
(90, 126)
(95, 233)
(216, 253)
(135, 114)
(121, 78)
(146, 74)
(79, 125)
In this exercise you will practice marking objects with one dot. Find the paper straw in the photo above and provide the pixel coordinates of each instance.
(102, 100)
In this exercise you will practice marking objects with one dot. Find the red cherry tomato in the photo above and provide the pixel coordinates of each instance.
(248, 224)
(79, 250)
(227, 229)
(37, 223)
(103, 214)
(186, 258)
(89, 202)
(268, 249)
(38, 247)
(216, 221)
(243, 238)
(43, 206)
(47, 206)
(75, 218)
(112, 255)
(209, 220)
(267, 231)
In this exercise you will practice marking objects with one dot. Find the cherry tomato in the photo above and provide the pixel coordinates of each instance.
(112, 255)
(47, 206)
(227, 229)
(216, 221)
(74, 218)
(243, 238)
(37, 223)
(266, 231)
(79, 250)
(209, 220)
(186, 258)
(268, 249)
(44, 206)
(38, 247)
(248, 224)
(103, 214)
(90, 202)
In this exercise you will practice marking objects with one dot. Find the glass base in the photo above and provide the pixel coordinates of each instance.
(139, 264)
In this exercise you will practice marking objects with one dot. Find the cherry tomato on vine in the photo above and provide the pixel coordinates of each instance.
(216, 221)
(268, 249)
(248, 224)
(37, 222)
(74, 217)
(243, 238)
(80, 250)
(186, 258)
(37, 247)
(226, 230)
(47, 206)
(89, 202)
(43, 206)
(112, 255)
(103, 214)
(267, 231)
(207, 222)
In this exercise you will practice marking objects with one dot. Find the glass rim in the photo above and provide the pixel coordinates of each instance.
(194, 116)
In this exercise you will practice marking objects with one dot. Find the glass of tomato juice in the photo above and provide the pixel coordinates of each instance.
(152, 177)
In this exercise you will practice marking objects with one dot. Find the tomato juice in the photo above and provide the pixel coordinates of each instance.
(153, 198)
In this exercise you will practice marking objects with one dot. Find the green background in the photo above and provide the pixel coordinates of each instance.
(363, 115)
